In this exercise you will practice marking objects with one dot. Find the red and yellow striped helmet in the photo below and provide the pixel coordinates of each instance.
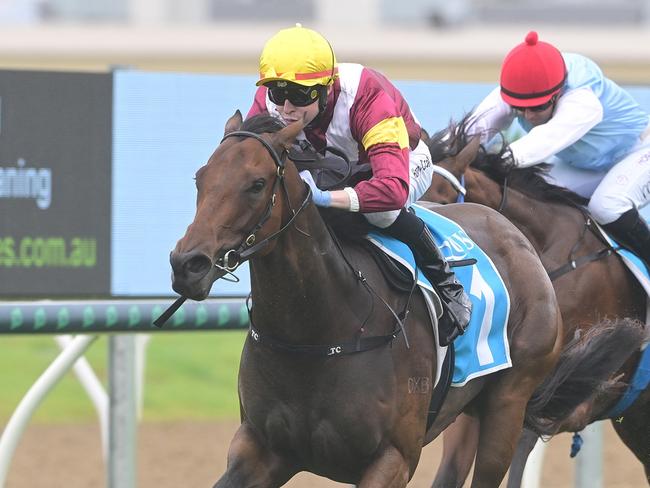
(298, 55)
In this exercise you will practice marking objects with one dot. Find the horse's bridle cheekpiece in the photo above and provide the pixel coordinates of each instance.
(248, 246)
(232, 258)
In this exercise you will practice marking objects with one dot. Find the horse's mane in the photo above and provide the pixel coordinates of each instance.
(262, 123)
(498, 164)
(349, 226)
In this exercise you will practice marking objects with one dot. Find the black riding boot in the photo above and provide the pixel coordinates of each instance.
(631, 231)
(410, 229)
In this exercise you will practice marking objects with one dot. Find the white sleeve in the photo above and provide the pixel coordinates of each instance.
(491, 116)
(576, 113)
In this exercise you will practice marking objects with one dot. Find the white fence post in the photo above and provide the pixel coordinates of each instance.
(18, 421)
(122, 412)
(93, 387)
(532, 477)
(589, 461)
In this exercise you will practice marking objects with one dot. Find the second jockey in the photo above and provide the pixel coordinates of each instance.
(591, 130)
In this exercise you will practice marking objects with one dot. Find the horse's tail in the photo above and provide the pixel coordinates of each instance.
(585, 367)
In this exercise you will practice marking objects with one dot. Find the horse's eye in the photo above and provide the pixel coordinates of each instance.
(257, 186)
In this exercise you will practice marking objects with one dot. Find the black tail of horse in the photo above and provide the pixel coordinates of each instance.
(585, 367)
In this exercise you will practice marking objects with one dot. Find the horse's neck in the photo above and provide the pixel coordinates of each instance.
(303, 286)
(533, 217)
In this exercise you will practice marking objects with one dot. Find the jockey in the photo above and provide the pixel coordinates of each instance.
(358, 111)
(592, 132)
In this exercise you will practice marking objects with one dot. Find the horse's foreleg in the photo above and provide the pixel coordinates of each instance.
(501, 424)
(525, 445)
(250, 464)
(388, 470)
(460, 440)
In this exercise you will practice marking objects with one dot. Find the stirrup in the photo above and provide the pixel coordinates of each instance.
(457, 330)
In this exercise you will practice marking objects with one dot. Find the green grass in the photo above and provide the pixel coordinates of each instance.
(188, 376)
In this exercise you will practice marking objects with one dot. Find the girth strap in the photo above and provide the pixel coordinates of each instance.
(575, 263)
(439, 393)
(360, 345)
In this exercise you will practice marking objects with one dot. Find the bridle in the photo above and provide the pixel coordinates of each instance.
(231, 259)
(248, 248)
(459, 186)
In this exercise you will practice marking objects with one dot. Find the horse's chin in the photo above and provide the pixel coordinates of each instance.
(197, 290)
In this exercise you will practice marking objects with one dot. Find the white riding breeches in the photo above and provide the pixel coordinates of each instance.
(612, 193)
(420, 174)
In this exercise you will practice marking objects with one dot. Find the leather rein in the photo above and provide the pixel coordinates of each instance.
(231, 260)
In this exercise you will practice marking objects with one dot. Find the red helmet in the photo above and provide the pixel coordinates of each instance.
(532, 73)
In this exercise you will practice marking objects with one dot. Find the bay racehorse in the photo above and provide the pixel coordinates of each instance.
(308, 400)
(591, 281)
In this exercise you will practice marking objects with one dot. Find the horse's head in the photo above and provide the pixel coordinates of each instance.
(236, 207)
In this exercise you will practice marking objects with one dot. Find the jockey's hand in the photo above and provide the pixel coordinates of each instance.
(322, 198)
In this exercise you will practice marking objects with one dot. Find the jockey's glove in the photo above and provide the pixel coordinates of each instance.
(322, 198)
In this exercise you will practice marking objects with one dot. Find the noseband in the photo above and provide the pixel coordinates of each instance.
(234, 257)
(459, 185)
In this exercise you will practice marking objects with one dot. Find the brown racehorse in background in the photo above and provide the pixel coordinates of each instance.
(308, 405)
(600, 286)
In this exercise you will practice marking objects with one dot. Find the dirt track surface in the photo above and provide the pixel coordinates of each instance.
(188, 455)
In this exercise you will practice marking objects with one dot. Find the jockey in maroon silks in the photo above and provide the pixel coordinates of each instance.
(360, 112)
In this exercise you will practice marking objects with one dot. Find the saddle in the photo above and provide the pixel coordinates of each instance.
(395, 273)
(331, 170)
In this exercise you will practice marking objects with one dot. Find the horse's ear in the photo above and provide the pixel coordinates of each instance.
(234, 122)
(287, 136)
(468, 154)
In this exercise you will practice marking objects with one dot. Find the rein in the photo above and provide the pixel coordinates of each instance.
(248, 247)
(360, 344)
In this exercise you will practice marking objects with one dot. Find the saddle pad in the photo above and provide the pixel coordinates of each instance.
(484, 347)
(635, 265)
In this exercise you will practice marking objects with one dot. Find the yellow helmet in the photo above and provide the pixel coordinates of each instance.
(298, 55)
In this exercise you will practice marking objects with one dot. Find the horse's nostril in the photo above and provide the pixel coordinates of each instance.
(191, 265)
(197, 264)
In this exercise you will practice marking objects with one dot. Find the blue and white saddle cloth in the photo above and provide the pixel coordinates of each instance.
(484, 347)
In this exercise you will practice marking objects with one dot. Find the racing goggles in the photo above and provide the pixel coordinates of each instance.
(537, 108)
(298, 96)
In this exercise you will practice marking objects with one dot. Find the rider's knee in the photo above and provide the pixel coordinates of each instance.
(382, 219)
(605, 208)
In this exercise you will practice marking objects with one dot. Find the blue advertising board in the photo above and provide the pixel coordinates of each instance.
(166, 125)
